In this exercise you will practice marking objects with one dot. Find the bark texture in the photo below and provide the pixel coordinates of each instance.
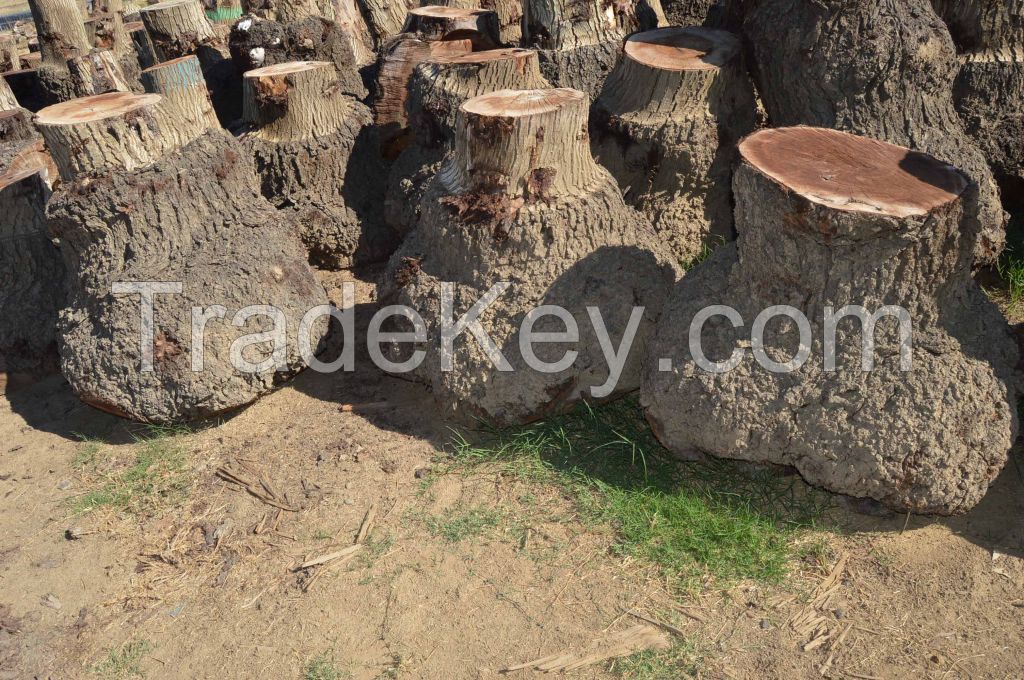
(196, 217)
(112, 35)
(827, 219)
(7, 98)
(438, 88)
(522, 200)
(385, 18)
(580, 42)
(880, 68)
(257, 43)
(666, 125)
(510, 16)
(9, 55)
(317, 155)
(181, 84)
(983, 24)
(144, 49)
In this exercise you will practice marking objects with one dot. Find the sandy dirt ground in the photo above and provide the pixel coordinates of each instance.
(210, 586)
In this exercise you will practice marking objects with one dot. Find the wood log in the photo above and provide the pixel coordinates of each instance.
(181, 84)
(876, 68)
(522, 200)
(385, 18)
(434, 23)
(510, 16)
(828, 219)
(10, 59)
(438, 88)
(223, 11)
(32, 275)
(581, 41)
(114, 130)
(666, 125)
(256, 43)
(144, 50)
(195, 217)
(315, 151)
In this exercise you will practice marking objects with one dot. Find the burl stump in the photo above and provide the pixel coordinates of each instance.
(438, 88)
(825, 220)
(521, 200)
(140, 208)
(666, 125)
(317, 155)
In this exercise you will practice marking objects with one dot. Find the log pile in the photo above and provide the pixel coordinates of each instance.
(521, 199)
(827, 219)
(318, 160)
(438, 88)
(666, 125)
(148, 200)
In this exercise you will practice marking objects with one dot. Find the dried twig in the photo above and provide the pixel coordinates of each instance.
(661, 624)
(259, 488)
(367, 525)
(346, 553)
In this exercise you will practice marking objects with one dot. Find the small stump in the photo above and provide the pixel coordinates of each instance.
(521, 200)
(825, 220)
(666, 125)
(317, 155)
(181, 83)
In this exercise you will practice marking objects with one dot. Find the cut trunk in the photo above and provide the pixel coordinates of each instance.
(7, 98)
(256, 43)
(522, 200)
(9, 54)
(348, 17)
(195, 217)
(666, 125)
(316, 153)
(115, 130)
(438, 88)
(880, 68)
(580, 42)
(385, 18)
(181, 84)
(434, 23)
(144, 50)
(827, 219)
(223, 11)
(112, 35)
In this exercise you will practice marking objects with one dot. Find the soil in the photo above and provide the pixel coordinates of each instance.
(920, 597)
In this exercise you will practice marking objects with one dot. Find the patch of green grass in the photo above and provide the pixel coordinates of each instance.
(705, 252)
(1010, 266)
(678, 661)
(727, 519)
(124, 662)
(462, 524)
(156, 473)
(322, 667)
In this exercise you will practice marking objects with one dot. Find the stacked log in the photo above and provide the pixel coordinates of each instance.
(989, 90)
(146, 200)
(877, 68)
(179, 28)
(580, 42)
(666, 125)
(316, 154)
(70, 66)
(438, 88)
(522, 200)
(828, 219)
(256, 43)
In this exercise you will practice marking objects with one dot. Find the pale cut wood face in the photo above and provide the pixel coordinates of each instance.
(96, 107)
(446, 12)
(287, 68)
(682, 49)
(517, 103)
(848, 172)
(164, 5)
(484, 56)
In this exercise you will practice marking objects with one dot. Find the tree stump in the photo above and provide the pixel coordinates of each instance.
(256, 43)
(112, 35)
(827, 219)
(10, 59)
(144, 50)
(192, 215)
(70, 67)
(32, 277)
(522, 200)
(877, 68)
(666, 125)
(438, 88)
(7, 99)
(223, 11)
(385, 18)
(181, 84)
(580, 42)
(317, 155)
(348, 17)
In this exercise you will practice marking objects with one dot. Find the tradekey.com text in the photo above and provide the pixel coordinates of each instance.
(468, 327)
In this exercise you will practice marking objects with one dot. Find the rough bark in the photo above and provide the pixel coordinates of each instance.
(438, 88)
(114, 130)
(510, 16)
(144, 50)
(983, 24)
(385, 18)
(432, 23)
(522, 200)
(9, 54)
(827, 219)
(580, 42)
(223, 11)
(256, 43)
(197, 218)
(351, 21)
(112, 35)
(666, 125)
(181, 84)
(7, 98)
(179, 28)
(881, 68)
(316, 153)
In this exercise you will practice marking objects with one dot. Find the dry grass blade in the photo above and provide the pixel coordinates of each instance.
(260, 488)
(367, 525)
(630, 641)
(345, 553)
(661, 624)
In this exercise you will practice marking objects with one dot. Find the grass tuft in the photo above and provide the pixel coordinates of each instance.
(721, 518)
(124, 662)
(678, 661)
(322, 667)
(463, 524)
